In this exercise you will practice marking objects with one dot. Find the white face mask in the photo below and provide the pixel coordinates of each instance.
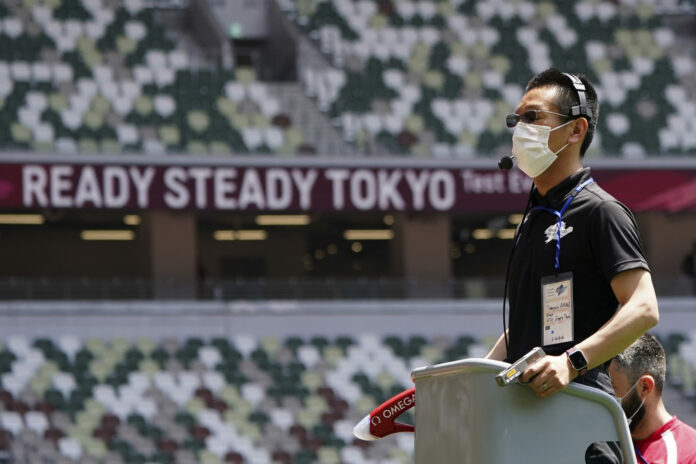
(530, 145)
(621, 398)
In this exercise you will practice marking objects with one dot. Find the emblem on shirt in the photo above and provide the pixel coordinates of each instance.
(552, 231)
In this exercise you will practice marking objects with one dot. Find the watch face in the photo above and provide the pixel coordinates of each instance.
(578, 360)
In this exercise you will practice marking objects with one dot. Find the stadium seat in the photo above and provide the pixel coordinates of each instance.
(243, 399)
(455, 53)
(295, 402)
(412, 77)
(128, 75)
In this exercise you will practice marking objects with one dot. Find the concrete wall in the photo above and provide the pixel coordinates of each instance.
(251, 14)
(133, 319)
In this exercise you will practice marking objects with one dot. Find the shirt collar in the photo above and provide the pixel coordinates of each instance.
(657, 434)
(555, 197)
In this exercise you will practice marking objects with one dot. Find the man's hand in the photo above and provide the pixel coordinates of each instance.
(549, 375)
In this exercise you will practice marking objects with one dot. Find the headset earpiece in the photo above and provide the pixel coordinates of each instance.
(582, 109)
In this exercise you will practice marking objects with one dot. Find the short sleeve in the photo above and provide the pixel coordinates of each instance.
(614, 240)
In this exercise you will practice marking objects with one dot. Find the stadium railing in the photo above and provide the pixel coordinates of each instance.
(22, 288)
(16, 288)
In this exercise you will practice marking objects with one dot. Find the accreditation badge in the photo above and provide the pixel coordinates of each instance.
(557, 309)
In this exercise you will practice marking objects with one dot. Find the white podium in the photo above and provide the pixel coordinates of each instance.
(463, 416)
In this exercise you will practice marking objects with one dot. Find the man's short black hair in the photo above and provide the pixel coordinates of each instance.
(567, 97)
(644, 356)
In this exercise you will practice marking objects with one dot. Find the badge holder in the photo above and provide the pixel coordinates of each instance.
(557, 309)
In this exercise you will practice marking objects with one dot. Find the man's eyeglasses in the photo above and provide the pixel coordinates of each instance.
(528, 117)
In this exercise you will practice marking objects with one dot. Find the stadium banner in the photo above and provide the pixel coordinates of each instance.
(305, 188)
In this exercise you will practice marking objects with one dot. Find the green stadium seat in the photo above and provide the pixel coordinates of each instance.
(402, 37)
(249, 399)
(87, 40)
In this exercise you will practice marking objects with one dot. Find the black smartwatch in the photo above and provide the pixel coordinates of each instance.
(577, 360)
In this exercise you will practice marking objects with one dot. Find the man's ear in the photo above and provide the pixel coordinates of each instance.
(646, 385)
(579, 131)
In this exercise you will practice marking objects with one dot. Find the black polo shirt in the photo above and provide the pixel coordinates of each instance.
(599, 239)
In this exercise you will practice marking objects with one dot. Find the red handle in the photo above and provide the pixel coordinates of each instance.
(382, 419)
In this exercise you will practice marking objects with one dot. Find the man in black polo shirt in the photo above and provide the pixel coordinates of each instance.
(579, 283)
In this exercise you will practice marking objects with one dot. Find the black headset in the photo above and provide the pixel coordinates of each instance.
(582, 109)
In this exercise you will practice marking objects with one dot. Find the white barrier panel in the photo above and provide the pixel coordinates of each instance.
(463, 416)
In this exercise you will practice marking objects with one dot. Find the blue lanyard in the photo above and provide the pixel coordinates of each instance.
(560, 213)
(640, 455)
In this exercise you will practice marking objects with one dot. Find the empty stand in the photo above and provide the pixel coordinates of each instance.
(93, 76)
(426, 77)
(243, 399)
(247, 399)
(410, 77)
